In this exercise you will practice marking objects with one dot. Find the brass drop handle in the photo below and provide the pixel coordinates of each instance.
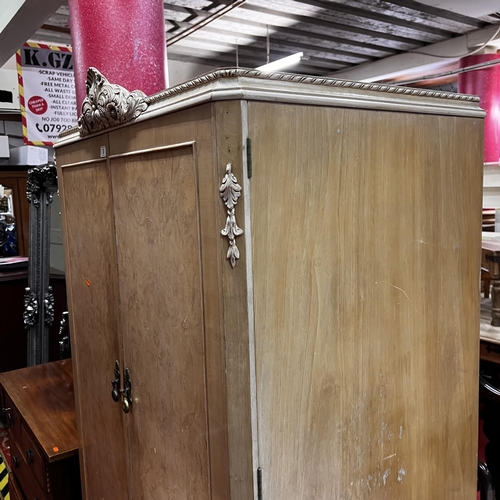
(29, 456)
(126, 392)
(15, 461)
(115, 393)
(125, 406)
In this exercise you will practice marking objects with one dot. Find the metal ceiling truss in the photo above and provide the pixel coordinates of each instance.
(334, 34)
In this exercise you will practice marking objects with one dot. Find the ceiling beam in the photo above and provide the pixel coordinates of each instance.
(25, 22)
(436, 11)
(247, 27)
(399, 65)
(389, 19)
(377, 50)
(248, 57)
(278, 48)
(346, 28)
(371, 49)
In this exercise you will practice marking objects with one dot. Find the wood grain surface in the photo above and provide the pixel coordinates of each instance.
(197, 124)
(14, 491)
(229, 144)
(44, 396)
(366, 234)
(365, 229)
(159, 269)
(88, 227)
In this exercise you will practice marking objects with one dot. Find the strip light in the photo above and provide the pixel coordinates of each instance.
(282, 63)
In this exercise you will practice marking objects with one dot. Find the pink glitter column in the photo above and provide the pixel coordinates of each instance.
(123, 39)
(485, 83)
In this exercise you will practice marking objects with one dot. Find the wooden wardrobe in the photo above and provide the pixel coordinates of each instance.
(285, 270)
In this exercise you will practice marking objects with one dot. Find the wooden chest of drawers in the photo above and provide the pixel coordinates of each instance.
(39, 408)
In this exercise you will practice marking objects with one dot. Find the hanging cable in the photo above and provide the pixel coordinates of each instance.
(456, 56)
(474, 67)
(268, 44)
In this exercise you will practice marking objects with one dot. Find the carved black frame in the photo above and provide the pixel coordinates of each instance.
(38, 299)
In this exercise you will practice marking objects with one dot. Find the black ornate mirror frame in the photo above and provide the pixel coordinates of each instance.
(38, 298)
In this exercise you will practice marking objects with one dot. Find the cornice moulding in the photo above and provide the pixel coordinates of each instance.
(252, 85)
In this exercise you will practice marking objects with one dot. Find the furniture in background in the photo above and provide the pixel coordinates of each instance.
(13, 338)
(485, 480)
(31, 299)
(490, 392)
(16, 178)
(258, 343)
(485, 282)
(490, 260)
(39, 313)
(488, 224)
(39, 408)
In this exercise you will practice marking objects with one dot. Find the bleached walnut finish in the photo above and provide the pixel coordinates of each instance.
(332, 353)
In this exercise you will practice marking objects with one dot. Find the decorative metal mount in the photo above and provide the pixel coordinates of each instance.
(30, 314)
(108, 105)
(230, 191)
(43, 177)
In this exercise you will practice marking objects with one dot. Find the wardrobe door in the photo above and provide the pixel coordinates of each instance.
(159, 268)
(366, 296)
(93, 308)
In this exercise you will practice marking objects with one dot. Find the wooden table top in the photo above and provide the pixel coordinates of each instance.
(491, 245)
(44, 396)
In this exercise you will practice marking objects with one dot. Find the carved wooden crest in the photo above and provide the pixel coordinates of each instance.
(108, 105)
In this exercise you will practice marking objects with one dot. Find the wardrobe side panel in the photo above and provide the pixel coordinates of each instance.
(196, 125)
(366, 242)
(231, 146)
(89, 244)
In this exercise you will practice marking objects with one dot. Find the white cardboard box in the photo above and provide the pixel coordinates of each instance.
(29, 155)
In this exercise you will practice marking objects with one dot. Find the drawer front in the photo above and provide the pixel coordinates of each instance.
(13, 418)
(14, 490)
(33, 458)
(489, 261)
(25, 478)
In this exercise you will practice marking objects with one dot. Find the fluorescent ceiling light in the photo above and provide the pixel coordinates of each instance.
(9, 11)
(282, 63)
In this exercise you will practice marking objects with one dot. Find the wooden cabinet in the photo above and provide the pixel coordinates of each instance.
(14, 490)
(40, 411)
(286, 270)
(17, 179)
(12, 330)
